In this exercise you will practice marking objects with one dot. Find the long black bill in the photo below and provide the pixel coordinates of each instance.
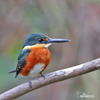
(51, 40)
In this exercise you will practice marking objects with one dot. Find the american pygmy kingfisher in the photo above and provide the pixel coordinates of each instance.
(35, 56)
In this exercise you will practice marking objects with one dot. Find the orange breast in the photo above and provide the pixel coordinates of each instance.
(37, 55)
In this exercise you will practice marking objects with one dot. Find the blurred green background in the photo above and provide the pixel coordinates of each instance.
(77, 20)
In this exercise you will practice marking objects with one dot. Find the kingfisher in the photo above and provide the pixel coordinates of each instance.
(35, 55)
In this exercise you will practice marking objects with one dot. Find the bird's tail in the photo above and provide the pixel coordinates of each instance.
(13, 71)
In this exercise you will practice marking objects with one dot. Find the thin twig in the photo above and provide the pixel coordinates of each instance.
(52, 77)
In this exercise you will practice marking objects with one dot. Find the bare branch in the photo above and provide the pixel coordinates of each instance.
(52, 77)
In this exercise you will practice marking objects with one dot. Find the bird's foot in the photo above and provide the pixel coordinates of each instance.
(30, 84)
(42, 75)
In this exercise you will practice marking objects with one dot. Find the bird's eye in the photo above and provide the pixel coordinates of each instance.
(40, 40)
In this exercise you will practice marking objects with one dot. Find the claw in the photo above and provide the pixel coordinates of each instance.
(42, 75)
(30, 84)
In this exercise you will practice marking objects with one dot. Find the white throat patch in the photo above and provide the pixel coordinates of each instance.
(47, 45)
(37, 46)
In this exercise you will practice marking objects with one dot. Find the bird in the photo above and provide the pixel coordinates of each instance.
(35, 56)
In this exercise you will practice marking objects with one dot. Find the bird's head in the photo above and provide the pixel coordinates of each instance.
(40, 40)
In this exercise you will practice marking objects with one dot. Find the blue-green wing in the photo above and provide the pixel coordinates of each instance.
(22, 60)
(23, 54)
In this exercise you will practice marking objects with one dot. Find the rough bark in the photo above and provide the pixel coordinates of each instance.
(50, 78)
